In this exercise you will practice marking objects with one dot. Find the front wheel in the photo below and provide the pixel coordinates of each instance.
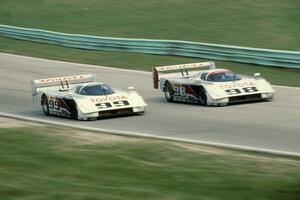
(74, 111)
(202, 96)
(45, 105)
(270, 98)
(140, 113)
(168, 92)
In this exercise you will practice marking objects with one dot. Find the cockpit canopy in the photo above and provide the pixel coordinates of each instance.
(94, 90)
(220, 76)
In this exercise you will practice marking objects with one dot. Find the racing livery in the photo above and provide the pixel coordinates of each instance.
(214, 87)
(82, 97)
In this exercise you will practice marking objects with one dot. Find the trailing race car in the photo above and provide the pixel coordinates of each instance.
(81, 97)
(215, 87)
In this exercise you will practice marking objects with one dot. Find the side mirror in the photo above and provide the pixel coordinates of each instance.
(257, 75)
(130, 88)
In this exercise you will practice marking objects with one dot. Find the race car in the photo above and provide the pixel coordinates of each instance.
(212, 86)
(82, 97)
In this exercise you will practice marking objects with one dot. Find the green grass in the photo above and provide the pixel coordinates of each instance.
(266, 24)
(47, 163)
(256, 23)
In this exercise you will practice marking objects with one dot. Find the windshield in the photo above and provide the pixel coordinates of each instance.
(223, 76)
(96, 90)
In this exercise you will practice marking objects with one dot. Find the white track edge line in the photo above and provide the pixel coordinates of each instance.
(288, 87)
(144, 135)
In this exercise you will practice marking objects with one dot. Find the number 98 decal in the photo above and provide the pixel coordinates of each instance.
(179, 90)
(238, 91)
(250, 89)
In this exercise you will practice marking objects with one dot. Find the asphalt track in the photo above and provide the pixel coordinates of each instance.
(269, 125)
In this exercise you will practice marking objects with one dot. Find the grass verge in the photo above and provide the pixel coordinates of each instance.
(47, 163)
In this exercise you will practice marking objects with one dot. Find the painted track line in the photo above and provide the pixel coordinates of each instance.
(143, 135)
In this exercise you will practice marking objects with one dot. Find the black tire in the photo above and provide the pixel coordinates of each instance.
(45, 105)
(74, 111)
(202, 96)
(92, 118)
(140, 113)
(168, 92)
(269, 99)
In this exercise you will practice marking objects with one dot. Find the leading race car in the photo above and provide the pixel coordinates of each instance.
(82, 97)
(215, 87)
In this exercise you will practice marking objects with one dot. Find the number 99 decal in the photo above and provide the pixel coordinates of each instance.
(121, 103)
(109, 105)
(54, 104)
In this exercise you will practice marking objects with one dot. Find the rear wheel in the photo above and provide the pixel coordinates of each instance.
(202, 96)
(168, 92)
(45, 105)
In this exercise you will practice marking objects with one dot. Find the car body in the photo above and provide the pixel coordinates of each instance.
(214, 87)
(82, 97)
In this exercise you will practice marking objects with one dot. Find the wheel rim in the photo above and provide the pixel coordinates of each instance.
(168, 94)
(44, 106)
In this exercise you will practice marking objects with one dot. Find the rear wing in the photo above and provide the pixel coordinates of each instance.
(182, 67)
(37, 85)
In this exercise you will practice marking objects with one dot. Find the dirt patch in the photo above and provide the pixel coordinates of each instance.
(79, 137)
(265, 161)
(201, 148)
(13, 123)
(73, 136)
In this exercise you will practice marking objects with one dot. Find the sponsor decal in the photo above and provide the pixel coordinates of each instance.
(237, 85)
(182, 66)
(108, 99)
(67, 78)
(173, 67)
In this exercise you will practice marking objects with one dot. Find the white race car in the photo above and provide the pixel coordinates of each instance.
(82, 97)
(215, 87)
